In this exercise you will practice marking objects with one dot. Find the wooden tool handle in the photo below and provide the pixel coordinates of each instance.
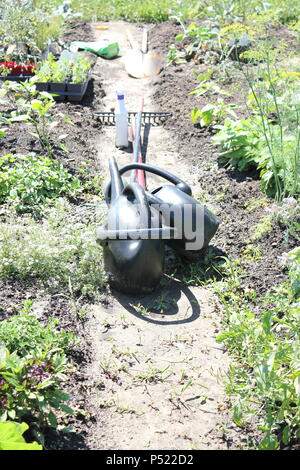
(134, 44)
(145, 41)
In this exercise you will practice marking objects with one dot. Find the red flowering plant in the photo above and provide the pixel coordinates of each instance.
(12, 68)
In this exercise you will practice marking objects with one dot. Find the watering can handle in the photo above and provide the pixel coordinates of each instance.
(142, 200)
(157, 171)
(145, 232)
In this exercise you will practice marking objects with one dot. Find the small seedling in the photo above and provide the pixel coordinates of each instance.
(175, 396)
(152, 375)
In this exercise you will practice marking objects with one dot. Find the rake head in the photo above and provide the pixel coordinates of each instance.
(107, 118)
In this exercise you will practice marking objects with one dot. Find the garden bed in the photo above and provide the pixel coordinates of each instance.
(237, 189)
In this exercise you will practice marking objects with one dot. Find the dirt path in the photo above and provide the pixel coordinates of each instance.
(156, 365)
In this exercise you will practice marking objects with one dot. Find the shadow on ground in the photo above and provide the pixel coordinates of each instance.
(162, 307)
(58, 440)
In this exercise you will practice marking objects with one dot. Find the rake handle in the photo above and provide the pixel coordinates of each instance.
(137, 138)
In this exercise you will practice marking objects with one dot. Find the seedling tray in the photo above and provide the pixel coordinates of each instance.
(70, 91)
(63, 91)
(15, 78)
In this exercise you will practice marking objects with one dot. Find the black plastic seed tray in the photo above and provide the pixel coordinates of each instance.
(62, 91)
(155, 118)
(15, 78)
(65, 90)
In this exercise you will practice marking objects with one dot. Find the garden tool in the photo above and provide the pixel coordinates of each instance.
(138, 175)
(133, 248)
(140, 63)
(155, 118)
(193, 223)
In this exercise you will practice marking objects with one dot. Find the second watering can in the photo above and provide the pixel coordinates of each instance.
(194, 225)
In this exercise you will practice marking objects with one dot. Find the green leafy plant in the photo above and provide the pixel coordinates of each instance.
(277, 138)
(263, 378)
(208, 86)
(34, 108)
(271, 137)
(149, 11)
(28, 336)
(63, 70)
(4, 71)
(212, 113)
(11, 437)
(26, 28)
(240, 142)
(192, 40)
(246, 143)
(29, 181)
(33, 365)
(175, 56)
(79, 69)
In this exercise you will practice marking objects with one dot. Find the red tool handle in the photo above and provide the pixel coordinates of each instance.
(140, 174)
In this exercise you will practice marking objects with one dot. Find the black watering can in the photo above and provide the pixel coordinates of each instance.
(132, 237)
(194, 225)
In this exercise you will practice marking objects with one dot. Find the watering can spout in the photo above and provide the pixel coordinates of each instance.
(116, 180)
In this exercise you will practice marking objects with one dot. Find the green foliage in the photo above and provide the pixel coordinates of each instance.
(293, 262)
(212, 113)
(244, 145)
(61, 251)
(151, 11)
(73, 71)
(34, 107)
(79, 69)
(195, 39)
(25, 29)
(263, 379)
(29, 181)
(26, 335)
(270, 139)
(274, 98)
(11, 437)
(219, 12)
(207, 270)
(208, 86)
(240, 142)
(222, 12)
(175, 56)
(33, 365)
(197, 34)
